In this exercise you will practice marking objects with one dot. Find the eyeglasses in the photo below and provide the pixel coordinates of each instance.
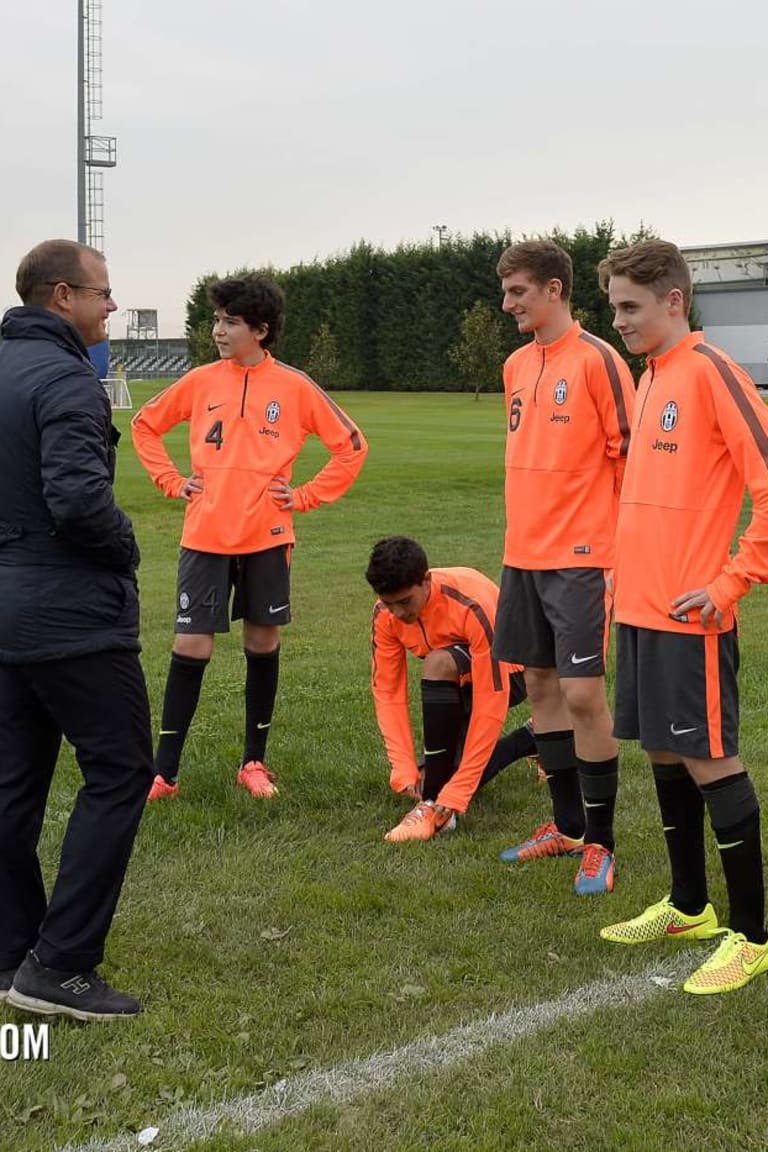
(105, 293)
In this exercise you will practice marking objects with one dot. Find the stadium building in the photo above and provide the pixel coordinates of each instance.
(155, 359)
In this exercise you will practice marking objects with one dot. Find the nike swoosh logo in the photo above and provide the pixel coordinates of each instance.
(168, 732)
(583, 659)
(280, 608)
(263, 725)
(733, 844)
(434, 751)
(516, 391)
(213, 407)
(682, 731)
(600, 805)
(676, 929)
(750, 967)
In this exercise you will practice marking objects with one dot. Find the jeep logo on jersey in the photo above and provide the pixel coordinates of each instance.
(561, 391)
(669, 416)
(272, 411)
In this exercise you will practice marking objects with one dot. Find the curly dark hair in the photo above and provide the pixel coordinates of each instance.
(396, 562)
(254, 298)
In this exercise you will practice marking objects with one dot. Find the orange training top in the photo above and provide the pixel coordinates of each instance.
(461, 609)
(246, 426)
(700, 434)
(569, 406)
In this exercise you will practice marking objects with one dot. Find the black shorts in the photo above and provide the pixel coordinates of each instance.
(261, 583)
(678, 692)
(557, 618)
(463, 662)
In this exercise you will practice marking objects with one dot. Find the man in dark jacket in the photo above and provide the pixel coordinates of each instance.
(69, 625)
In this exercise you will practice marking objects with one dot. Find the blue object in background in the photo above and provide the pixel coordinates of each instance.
(99, 355)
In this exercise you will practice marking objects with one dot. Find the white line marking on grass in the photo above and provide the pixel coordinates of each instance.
(344, 1082)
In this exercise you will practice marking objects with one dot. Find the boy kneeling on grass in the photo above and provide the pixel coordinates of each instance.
(445, 617)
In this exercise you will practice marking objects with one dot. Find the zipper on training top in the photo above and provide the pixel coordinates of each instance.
(652, 367)
(541, 373)
(424, 634)
(245, 393)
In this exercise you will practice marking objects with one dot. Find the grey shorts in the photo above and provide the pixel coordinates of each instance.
(463, 662)
(678, 692)
(557, 618)
(260, 580)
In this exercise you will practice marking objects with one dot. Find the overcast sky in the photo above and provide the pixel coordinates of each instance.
(255, 132)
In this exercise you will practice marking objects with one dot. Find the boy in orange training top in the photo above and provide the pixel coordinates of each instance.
(249, 416)
(569, 402)
(700, 434)
(445, 617)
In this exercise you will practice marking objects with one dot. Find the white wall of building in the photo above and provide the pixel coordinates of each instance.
(731, 296)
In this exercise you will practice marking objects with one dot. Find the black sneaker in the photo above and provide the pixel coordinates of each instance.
(84, 995)
(6, 979)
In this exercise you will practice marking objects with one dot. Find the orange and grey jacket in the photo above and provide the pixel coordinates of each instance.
(461, 609)
(246, 426)
(700, 435)
(569, 407)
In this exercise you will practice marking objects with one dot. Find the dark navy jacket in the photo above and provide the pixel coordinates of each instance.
(68, 555)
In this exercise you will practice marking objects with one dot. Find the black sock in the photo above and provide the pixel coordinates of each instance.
(599, 784)
(261, 677)
(514, 746)
(182, 692)
(443, 720)
(682, 813)
(735, 815)
(558, 759)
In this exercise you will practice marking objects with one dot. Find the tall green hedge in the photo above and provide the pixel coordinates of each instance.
(395, 317)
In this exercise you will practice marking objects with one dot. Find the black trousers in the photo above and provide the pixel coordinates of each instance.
(99, 703)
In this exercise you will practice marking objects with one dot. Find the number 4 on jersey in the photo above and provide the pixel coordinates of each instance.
(215, 434)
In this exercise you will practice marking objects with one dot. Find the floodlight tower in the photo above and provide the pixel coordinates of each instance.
(442, 233)
(93, 152)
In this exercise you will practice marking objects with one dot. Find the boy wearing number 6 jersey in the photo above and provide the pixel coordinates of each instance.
(248, 416)
(569, 403)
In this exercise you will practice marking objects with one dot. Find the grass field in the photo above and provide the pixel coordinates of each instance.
(270, 941)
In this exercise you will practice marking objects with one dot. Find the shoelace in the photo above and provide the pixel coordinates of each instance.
(542, 831)
(417, 813)
(593, 857)
(722, 954)
(260, 770)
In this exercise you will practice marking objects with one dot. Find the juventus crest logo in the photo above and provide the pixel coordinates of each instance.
(669, 416)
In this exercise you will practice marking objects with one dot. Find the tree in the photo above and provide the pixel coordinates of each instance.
(481, 348)
(202, 349)
(323, 359)
(393, 317)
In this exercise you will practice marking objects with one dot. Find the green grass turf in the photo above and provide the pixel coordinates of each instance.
(270, 938)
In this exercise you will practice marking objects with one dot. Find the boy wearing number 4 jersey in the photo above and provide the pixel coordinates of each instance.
(249, 416)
